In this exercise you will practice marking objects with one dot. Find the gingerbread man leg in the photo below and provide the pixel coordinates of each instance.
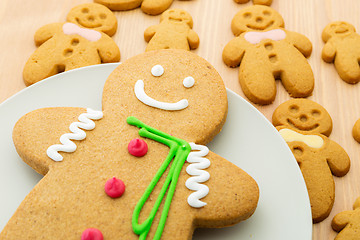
(259, 87)
(155, 7)
(299, 81)
(348, 68)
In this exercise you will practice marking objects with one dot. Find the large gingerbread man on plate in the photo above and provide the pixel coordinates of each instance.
(161, 105)
(81, 41)
(266, 51)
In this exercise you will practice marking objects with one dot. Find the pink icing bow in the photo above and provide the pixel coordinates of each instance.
(89, 34)
(256, 37)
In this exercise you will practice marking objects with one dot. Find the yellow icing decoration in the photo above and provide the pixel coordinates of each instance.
(313, 141)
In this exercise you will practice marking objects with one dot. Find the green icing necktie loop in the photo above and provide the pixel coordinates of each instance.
(179, 150)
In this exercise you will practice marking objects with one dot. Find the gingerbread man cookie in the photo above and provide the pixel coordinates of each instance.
(261, 2)
(304, 115)
(319, 158)
(139, 167)
(151, 7)
(342, 47)
(356, 131)
(173, 32)
(347, 223)
(265, 52)
(82, 41)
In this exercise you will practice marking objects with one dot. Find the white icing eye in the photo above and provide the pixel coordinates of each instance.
(189, 82)
(157, 71)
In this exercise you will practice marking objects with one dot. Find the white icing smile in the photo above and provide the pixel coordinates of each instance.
(144, 98)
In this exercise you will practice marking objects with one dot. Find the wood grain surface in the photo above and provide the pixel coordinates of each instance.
(19, 19)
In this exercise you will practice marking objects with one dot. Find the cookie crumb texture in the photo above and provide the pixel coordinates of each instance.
(266, 52)
(342, 47)
(71, 197)
(82, 41)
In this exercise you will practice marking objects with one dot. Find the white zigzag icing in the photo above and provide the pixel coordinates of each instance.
(77, 134)
(198, 163)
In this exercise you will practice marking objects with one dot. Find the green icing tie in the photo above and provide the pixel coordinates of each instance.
(179, 151)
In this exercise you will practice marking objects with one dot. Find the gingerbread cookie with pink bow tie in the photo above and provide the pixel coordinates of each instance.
(261, 2)
(265, 52)
(81, 41)
(138, 169)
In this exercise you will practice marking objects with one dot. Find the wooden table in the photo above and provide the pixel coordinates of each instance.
(19, 19)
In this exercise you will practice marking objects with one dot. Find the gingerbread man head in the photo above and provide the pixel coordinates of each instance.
(177, 15)
(173, 101)
(256, 18)
(303, 114)
(339, 29)
(94, 16)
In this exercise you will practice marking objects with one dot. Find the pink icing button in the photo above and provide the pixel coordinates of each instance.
(92, 234)
(137, 147)
(114, 187)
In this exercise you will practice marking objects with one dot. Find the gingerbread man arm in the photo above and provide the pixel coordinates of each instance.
(329, 51)
(36, 131)
(46, 32)
(337, 159)
(150, 32)
(234, 51)
(108, 50)
(299, 41)
(241, 193)
(193, 39)
(341, 220)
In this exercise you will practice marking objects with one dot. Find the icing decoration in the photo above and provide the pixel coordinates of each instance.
(189, 82)
(137, 147)
(179, 150)
(92, 234)
(198, 163)
(313, 141)
(157, 70)
(77, 134)
(257, 37)
(144, 98)
(89, 34)
(114, 187)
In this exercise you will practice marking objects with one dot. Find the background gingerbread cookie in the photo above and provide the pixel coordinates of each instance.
(304, 115)
(77, 43)
(173, 32)
(347, 223)
(109, 151)
(319, 158)
(265, 52)
(262, 2)
(151, 7)
(342, 47)
(356, 131)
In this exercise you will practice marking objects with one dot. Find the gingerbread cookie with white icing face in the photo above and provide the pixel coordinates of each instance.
(347, 223)
(173, 32)
(82, 41)
(342, 47)
(151, 7)
(304, 115)
(265, 52)
(139, 167)
(319, 158)
(261, 2)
